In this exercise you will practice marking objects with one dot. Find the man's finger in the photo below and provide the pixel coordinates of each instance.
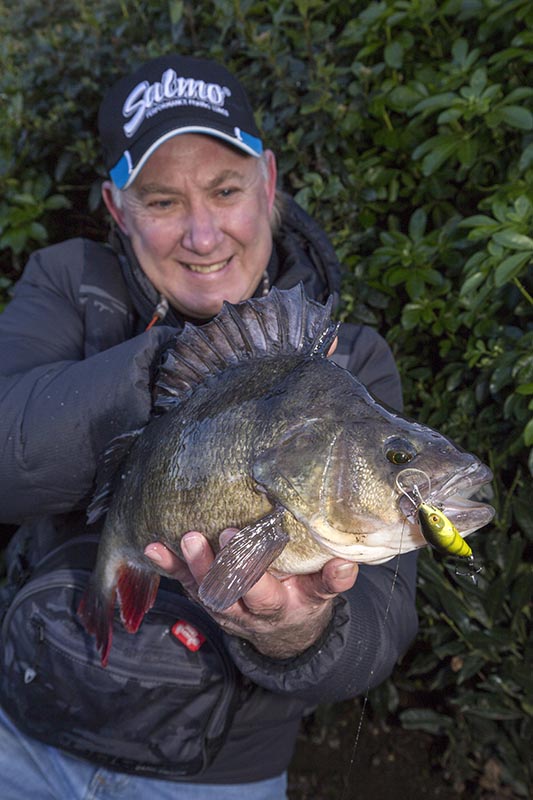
(197, 553)
(333, 346)
(161, 556)
(167, 561)
(265, 598)
(338, 575)
(226, 536)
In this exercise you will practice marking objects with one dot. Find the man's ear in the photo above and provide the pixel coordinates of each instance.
(272, 177)
(115, 210)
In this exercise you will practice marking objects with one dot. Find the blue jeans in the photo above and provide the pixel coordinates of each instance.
(29, 769)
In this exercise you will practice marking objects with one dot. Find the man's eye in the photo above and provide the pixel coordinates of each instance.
(154, 203)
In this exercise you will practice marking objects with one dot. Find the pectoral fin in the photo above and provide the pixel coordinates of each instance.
(240, 564)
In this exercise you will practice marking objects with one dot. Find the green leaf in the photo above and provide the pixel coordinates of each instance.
(526, 159)
(522, 207)
(510, 267)
(402, 98)
(497, 711)
(16, 240)
(516, 117)
(479, 80)
(175, 8)
(520, 93)
(417, 224)
(478, 220)
(528, 433)
(513, 240)
(435, 102)
(426, 720)
(437, 157)
(472, 283)
(411, 315)
(393, 54)
(472, 663)
(467, 152)
(460, 50)
(56, 201)
(38, 232)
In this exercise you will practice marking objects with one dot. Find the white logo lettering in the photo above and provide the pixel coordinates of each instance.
(147, 99)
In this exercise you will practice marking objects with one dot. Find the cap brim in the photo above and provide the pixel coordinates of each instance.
(125, 171)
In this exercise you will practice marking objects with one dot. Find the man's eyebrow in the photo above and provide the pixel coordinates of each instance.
(223, 177)
(218, 180)
(155, 188)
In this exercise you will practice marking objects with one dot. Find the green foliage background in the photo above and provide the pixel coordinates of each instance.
(406, 127)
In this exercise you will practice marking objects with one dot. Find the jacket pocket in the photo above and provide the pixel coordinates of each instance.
(160, 708)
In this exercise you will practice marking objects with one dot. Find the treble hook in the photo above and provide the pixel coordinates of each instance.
(472, 570)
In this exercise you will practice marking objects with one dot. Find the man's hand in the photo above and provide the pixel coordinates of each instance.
(281, 618)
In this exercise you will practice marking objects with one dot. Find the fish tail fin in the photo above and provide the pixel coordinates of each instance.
(96, 611)
(137, 590)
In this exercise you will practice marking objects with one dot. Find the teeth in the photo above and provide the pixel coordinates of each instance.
(207, 268)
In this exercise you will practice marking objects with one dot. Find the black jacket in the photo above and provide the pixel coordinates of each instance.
(75, 366)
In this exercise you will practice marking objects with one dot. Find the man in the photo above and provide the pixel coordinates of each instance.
(198, 221)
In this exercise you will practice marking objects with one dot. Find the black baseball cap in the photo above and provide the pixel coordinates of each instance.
(167, 96)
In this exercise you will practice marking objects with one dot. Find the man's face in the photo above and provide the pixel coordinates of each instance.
(198, 217)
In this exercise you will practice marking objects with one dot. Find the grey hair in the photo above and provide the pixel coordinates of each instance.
(118, 196)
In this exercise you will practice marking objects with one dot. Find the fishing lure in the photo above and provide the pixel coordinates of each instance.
(436, 528)
(440, 532)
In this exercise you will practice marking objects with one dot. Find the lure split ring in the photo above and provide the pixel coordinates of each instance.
(408, 480)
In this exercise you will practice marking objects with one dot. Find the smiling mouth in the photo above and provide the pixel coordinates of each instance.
(207, 269)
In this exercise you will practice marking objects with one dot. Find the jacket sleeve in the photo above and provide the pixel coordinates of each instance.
(374, 623)
(58, 409)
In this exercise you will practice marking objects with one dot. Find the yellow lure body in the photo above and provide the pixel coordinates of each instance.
(440, 532)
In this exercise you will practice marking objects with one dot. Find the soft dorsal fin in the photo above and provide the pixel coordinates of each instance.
(284, 321)
(108, 466)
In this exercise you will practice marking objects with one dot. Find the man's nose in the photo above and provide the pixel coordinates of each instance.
(202, 230)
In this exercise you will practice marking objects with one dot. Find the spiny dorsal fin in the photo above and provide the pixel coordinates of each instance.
(285, 321)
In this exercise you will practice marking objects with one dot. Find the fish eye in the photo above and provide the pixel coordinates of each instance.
(399, 451)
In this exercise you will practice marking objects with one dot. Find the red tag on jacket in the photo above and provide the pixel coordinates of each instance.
(188, 635)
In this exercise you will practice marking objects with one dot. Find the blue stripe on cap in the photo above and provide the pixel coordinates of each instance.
(121, 171)
(252, 142)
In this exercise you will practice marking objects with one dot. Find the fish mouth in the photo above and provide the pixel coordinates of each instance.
(453, 495)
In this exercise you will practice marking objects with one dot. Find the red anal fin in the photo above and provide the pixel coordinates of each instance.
(96, 612)
(137, 590)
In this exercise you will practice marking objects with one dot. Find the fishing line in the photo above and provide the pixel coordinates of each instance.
(408, 482)
(344, 795)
